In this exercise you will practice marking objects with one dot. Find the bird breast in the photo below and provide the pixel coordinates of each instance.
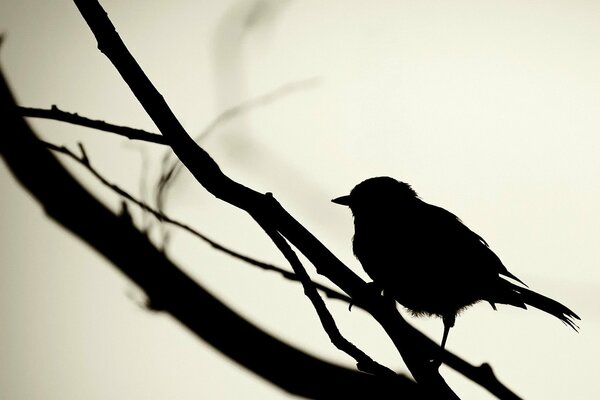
(408, 263)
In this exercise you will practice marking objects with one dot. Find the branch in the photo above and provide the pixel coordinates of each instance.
(364, 362)
(167, 287)
(55, 114)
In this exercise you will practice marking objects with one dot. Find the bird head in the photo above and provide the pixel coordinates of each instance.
(377, 192)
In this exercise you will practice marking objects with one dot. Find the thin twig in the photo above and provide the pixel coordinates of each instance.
(56, 114)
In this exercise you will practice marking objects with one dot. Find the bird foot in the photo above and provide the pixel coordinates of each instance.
(372, 290)
(436, 362)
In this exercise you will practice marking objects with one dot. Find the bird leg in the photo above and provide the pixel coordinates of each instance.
(448, 323)
(372, 289)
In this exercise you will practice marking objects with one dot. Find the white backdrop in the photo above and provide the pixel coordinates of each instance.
(489, 109)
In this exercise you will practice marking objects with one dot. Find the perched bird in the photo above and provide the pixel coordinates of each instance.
(426, 259)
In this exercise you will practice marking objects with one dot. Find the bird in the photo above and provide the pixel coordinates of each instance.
(428, 260)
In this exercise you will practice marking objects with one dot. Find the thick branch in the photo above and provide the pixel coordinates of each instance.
(202, 166)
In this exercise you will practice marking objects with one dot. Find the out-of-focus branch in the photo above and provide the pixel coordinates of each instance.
(55, 114)
(168, 288)
(171, 169)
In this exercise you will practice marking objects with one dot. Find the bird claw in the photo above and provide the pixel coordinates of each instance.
(371, 290)
(435, 362)
(374, 290)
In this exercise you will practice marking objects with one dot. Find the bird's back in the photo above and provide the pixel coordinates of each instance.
(426, 258)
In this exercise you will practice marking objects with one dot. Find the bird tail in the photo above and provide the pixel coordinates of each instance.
(550, 306)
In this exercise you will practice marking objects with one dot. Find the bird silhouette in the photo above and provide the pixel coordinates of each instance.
(427, 260)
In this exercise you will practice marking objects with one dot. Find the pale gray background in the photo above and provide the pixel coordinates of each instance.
(488, 108)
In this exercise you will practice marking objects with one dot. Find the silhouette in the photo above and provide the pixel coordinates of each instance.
(426, 259)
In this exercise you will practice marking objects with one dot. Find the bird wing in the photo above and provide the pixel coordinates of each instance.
(464, 241)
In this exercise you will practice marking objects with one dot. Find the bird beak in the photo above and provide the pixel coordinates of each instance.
(344, 200)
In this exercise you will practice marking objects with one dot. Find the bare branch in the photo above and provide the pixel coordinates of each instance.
(364, 362)
(73, 118)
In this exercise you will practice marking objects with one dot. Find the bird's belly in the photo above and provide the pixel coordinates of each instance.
(422, 280)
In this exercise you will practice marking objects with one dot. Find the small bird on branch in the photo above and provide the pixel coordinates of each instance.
(427, 260)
